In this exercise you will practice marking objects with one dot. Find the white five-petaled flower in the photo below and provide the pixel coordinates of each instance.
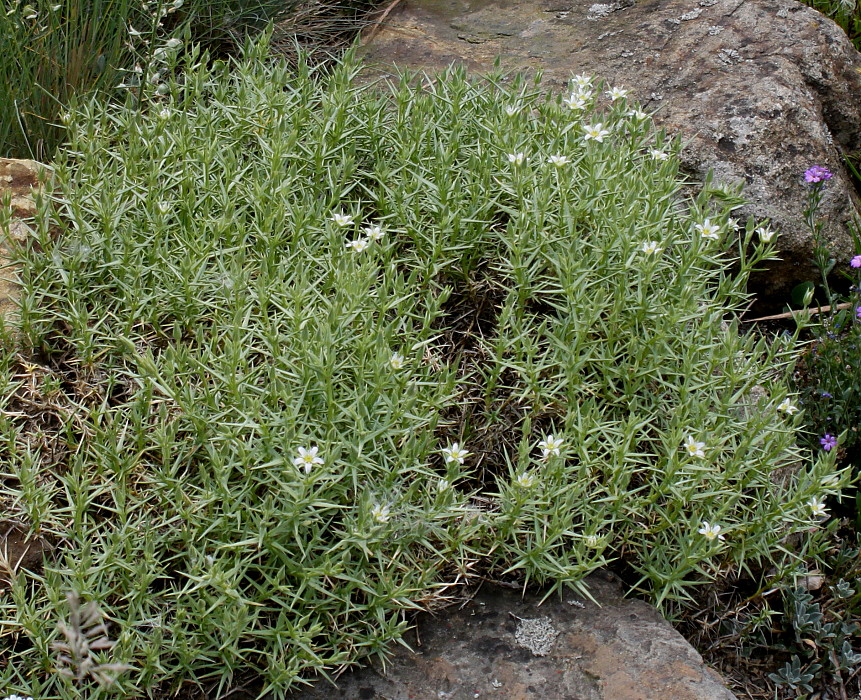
(558, 161)
(787, 407)
(616, 93)
(526, 480)
(358, 245)
(817, 507)
(638, 114)
(17, 697)
(308, 458)
(708, 230)
(765, 234)
(582, 80)
(694, 448)
(164, 114)
(651, 248)
(551, 445)
(511, 110)
(397, 361)
(375, 233)
(659, 155)
(710, 532)
(574, 101)
(595, 132)
(381, 513)
(341, 219)
(455, 453)
(516, 158)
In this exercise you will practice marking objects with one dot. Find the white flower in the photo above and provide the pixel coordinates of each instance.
(708, 230)
(380, 513)
(358, 245)
(342, 219)
(733, 224)
(765, 234)
(694, 448)
(592, 541)
(817, 507)
(595, 132)
(516, 158)
(308, 458)
(17, 697)
(558, 161)
(574, 101)
(551, 445)
(374, 233)
(658, 155)
(638, 114)
(511, 110)
(582, 80)
(526, 480)
(397, 361)
(616, 94)
(164, 114)
(710, 532)
(443, 485)
(163, 207)
(787, 407)
(454, 453)
(651, 248)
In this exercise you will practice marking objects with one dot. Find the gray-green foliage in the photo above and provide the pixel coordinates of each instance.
(204, 316)
(56, 51)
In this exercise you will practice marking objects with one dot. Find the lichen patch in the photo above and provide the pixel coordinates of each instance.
(536, 634)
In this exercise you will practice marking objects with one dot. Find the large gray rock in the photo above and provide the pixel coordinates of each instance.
(501, 645)
(759, 90)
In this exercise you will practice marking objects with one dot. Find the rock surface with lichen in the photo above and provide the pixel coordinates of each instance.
(509, 647)
(758, 90)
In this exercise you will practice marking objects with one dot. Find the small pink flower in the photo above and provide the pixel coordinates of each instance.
(856, 261)
(817, 174)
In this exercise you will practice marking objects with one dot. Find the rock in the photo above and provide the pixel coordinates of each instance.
(500, 645)
(758, 90)
(19, 179)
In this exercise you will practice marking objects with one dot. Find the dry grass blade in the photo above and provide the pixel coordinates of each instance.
(85, 634)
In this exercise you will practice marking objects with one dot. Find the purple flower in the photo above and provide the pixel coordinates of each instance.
(817, 174)
(856, 261)
(826, 395)
(858, 312)
(828, 442)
